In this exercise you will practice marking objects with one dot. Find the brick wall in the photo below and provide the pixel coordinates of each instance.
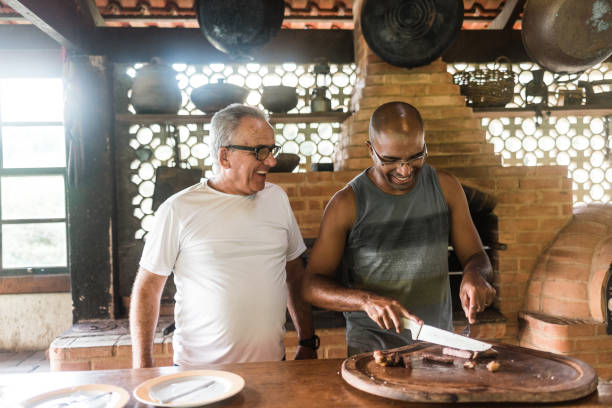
(309, 193)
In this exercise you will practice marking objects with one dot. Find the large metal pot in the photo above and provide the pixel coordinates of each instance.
(279, 99)
(237, 26)
(410, 33)
(213, 97)
(567, 35)
(155, 89)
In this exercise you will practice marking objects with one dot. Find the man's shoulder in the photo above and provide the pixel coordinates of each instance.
(445, 178)
(449, 184)
(185, 196)
(189, 191)
(344, 199)
(272, 189)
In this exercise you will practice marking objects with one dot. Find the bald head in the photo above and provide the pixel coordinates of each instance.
(396, 120)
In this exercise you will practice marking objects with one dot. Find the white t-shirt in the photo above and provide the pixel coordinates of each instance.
(228, 254)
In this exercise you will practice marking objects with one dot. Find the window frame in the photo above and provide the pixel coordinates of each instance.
(35, 284)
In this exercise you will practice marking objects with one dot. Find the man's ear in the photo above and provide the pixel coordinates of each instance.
(224, 158)
(370, 151)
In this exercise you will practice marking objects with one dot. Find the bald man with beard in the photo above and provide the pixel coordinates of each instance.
(388, 229)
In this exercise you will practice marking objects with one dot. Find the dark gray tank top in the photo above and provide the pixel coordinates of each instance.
(398, 247)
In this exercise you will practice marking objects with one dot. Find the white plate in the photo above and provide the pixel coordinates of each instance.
(225, 385)
(80, 396)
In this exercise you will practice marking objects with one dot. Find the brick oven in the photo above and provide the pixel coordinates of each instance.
(568, 301)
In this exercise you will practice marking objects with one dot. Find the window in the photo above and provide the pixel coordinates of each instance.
(33, 233)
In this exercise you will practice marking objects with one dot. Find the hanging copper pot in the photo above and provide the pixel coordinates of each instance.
(567, 35)
(410, 33)
(235, 27)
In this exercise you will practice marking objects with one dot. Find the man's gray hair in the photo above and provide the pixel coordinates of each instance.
(224, 124)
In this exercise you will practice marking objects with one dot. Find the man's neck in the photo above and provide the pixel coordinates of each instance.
(381, 184)
(218, 183)
(223, 185)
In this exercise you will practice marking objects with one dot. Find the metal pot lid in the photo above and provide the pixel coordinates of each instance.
(235, 27)
(410, 33)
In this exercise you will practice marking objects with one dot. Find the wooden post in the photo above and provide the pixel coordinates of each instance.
(89, 117)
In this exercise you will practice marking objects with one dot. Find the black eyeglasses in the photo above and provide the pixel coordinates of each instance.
(417, 160)
(261, 152)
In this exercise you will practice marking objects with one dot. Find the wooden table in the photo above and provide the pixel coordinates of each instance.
(310, 383)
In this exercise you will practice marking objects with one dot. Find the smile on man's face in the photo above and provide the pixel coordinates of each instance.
(247, 174)
(391, 176)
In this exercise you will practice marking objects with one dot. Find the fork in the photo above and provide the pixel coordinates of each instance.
(466, 330)
(80, 401)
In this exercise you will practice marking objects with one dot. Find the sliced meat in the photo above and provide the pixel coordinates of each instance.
(493, 366)
(449, 351)
(407, 362)
(469, 364)
(490, 353)
(379, 358)
(437, 358)
(393, 359)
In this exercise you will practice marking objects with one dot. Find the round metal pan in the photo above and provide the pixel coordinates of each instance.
(567, 35)
(237, 26)
(410, 33)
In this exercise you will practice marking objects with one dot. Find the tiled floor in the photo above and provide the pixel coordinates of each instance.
(23, 361)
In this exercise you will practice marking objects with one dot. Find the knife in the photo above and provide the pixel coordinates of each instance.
(434, 335)
(182, 394)
(82, 400)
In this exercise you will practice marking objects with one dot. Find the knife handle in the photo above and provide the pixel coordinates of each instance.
(413, 326)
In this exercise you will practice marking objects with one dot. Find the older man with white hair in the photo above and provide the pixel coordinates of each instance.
(234, 247)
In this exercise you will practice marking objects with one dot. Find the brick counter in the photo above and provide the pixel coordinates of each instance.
(83, 349)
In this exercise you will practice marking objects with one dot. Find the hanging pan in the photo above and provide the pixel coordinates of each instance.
(237, 26)
(410, 33)
(567, 35)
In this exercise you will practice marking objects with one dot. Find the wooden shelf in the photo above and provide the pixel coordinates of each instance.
(319, 117)
(582, 110)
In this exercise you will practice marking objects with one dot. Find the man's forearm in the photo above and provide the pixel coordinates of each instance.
(144, 312)
(299, 309)
(324, 292)
(479, 264)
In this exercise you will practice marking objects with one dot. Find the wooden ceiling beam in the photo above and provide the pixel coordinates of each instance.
(24, 37)
(131, 45)
(189, 45)
(69, 22)
(486, 46)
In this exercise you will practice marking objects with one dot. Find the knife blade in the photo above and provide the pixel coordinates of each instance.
(434, 335)
(82, 400)
(182, 394)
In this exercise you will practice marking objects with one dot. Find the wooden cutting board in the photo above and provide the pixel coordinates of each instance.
(524, 375)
